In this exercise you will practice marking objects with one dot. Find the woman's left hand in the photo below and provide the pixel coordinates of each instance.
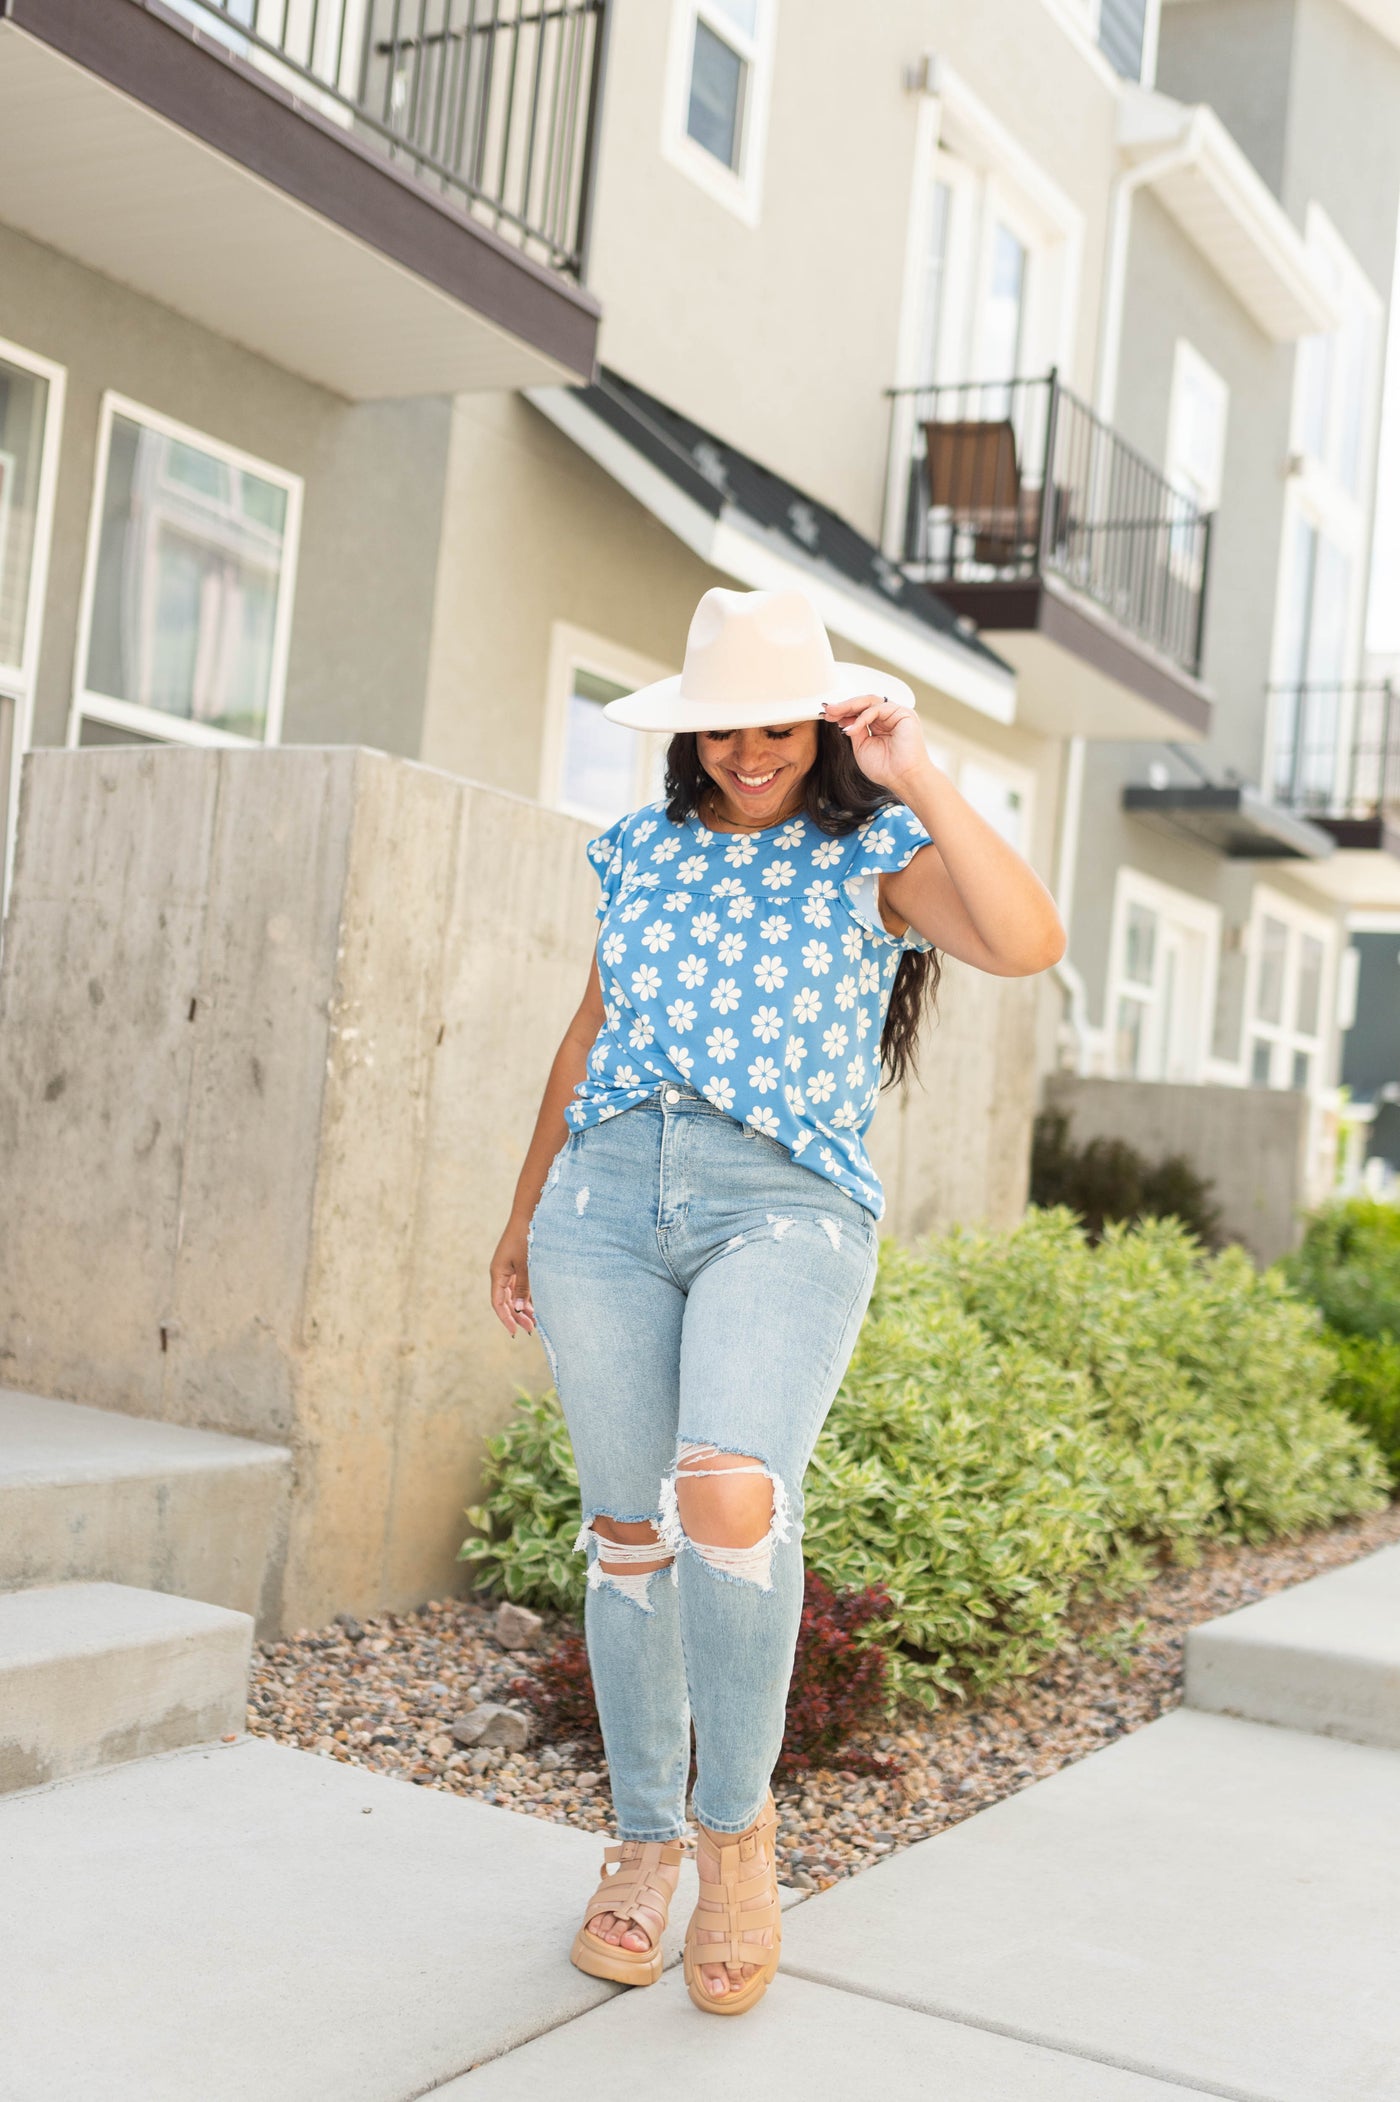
(886, 739)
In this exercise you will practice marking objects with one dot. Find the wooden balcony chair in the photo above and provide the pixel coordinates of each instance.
(974, 475)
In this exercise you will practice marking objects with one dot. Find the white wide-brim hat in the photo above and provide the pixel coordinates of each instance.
(753, 658)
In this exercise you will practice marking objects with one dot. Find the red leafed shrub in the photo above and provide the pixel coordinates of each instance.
(838, 1685)
(838, 1682)
(560, 1690)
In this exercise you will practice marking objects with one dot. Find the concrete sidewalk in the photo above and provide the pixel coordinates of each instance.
(1207, 1907)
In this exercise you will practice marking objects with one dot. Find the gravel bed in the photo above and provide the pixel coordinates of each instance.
(388, 1696)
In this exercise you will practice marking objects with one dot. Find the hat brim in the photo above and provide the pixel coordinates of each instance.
(662, 706)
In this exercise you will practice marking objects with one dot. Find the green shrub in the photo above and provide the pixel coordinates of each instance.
(1104, 1181)
(1349, 1265)
(1368, 1388)
(1026, 1418)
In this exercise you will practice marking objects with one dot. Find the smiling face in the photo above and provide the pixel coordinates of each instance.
(758, 774)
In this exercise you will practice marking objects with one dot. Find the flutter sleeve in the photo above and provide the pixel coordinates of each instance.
(607, 853)
(885, 843)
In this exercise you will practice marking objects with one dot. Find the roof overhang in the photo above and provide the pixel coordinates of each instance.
(1231, 819)
(726, 537)
(160, 158)
(1364, 871)
(1227, 211)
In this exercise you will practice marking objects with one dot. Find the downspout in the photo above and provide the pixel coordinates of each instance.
(1120, 213)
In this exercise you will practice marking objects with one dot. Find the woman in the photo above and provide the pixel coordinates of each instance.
(694, 1230)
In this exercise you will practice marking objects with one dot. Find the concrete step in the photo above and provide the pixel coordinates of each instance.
(91, 1674)
(1207, 1902)
(1323, 1656)
(92, 1495)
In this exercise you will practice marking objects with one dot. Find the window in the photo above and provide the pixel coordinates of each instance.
(1315, 651)
(591, 767)
(1195, 461)
(31, 410)
(1285, 1006)
(1162, 982)
(188, 595)
(1338, 373)
(1127, 36)
(717, 96)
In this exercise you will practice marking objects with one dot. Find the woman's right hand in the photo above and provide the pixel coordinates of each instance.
(510, 1281)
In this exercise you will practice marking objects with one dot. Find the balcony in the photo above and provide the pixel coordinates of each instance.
(1069, 551)
(388, 199)
(1336, 762)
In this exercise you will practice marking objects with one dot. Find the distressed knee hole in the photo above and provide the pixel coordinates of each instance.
(690, 1511)
(625, 1566)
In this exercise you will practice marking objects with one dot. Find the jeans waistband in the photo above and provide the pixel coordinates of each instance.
(674, 1098)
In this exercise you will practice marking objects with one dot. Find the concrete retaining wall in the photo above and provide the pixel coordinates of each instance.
(273, 1027)
(1252, 1143)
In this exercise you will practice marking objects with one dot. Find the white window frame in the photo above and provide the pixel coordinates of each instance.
(1081, 19)
(1200, 918)
(739, 190)
(18, 681)
(1283, 1037)
(154, 723)
(1187, 366)
(955, 754)
(571, 650)
(1325, 488)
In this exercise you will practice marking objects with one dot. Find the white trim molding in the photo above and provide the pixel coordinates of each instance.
(18, 682)
(1227, 211)
(735, 545)
(571, 650)
(739, 190)
(1193, 915)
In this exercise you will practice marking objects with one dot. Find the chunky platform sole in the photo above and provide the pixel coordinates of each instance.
(605, 1959)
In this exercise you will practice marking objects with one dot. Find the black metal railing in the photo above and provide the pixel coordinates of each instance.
(1009, 482)
(1335, 750)
(492, 102)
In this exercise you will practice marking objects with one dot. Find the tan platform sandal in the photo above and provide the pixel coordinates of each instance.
(643, 1873)
(732, 1912)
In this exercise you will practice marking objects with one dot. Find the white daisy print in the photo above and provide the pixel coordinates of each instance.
(719, 1091)
(740, 852)
(881, 841)
(646, 982)
(678, 901)
(659, 935)
(732, 947)
(666, 850)
(641, 1033)
(828, 853)
(763, 1120)
(635, 910)
(692, 869)
(725, 997)
(795, 1100)
(771, 973)
(845, 993)
(806, 1005)
(729, 887)
(642, 833)
(794, 1051)
(614, 949)
(775, 928)
(869, 975)
(817, 900)
(855, 1071)
(704, 835)
(852, 942)
(681, 1015)
(800, 1144)
(692, 971)
(764, 1075)
(704, 927)
(624, 1076)
(791, 835)
(835, 1040)
(816, 958)
(830, 1162)
(767, 1024)
(778, 875)
(722, 1045)
(862, 1024)
(741, 908)
(681, 1059)
(611, 1015)
(821, 1085)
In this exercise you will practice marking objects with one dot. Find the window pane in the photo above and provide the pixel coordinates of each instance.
(600, 757)
(1353, 357)
(23, 401)
(1273, 953)
(1001, 333)
(1140, 948)
(717, 77)
(1122, 28)
(1128, 1038)
(935, 271)
(1260, 1061)
(189, 572)
(1302, 1070)
(993, 798)
(1309, 1001)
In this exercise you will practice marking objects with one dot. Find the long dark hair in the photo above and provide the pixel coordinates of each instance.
(837, 797)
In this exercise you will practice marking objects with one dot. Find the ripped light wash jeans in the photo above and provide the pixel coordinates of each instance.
(694, 1286)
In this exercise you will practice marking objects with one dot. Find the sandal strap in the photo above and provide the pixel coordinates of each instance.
(732, 1913)
(632, 1885)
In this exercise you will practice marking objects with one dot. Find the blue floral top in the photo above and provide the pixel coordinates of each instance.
(755, 967)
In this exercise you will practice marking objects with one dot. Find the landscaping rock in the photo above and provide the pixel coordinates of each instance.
(492, 1724)
(351, 1626)
(516, 1627)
